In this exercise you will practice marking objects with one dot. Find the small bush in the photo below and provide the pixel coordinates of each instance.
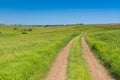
(15, 28)
(30, 29)
(81, 24)
(24, 32)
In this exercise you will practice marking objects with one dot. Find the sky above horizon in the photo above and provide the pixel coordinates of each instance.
(44, 12)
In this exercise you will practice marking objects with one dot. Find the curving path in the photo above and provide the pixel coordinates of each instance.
(97, 71)
(58, 71)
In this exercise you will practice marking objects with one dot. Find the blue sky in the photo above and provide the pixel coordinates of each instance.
(59, 11)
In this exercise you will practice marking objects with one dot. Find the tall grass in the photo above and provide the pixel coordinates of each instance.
(77, 68)
(106, 45)
(29, 56)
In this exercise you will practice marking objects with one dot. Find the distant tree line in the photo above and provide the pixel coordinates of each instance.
(43, 25)
(2, 24)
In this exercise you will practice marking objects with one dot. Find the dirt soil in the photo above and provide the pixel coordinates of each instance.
(58, 70)
(107, 25)
(97, 71)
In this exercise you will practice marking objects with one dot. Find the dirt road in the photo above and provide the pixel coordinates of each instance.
(58, 71)
(98, 72)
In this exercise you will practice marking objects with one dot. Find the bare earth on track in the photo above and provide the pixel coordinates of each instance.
(97, 71)
(58, 71)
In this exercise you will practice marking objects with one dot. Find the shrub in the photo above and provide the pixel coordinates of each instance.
(24, 32)
(15, 28)
(30, 29)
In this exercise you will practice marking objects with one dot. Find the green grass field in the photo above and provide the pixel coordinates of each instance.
(105, 43)
(29, 56)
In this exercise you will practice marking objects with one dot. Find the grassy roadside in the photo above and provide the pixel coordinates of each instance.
(77, 68)
(105, 45)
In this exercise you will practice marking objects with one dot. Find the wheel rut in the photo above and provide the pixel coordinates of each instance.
(58, 70)
(97, 70)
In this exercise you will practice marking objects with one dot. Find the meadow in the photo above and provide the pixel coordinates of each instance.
(29, 56)
(105, 43)
(27, 53)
